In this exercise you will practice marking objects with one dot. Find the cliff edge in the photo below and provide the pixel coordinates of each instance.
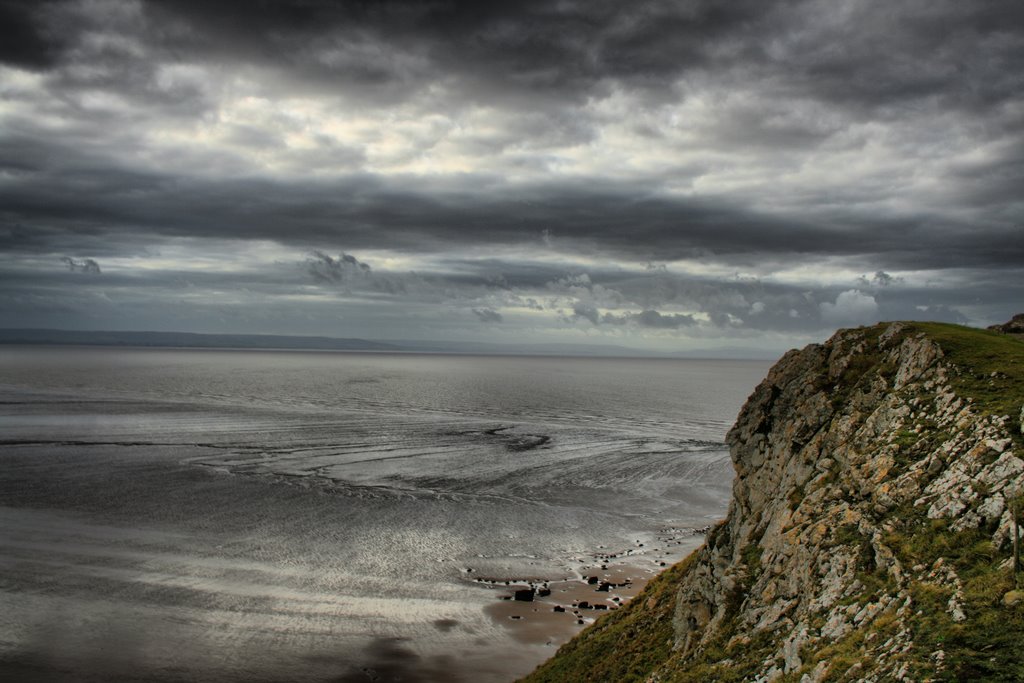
(870, 531)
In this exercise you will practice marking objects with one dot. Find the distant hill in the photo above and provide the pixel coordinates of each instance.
(274, 341)
(188, 339)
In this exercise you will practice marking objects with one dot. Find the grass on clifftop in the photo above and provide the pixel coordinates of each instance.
(991, 366)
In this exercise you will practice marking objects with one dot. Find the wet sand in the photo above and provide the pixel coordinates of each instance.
(550, 610)
(131, 564)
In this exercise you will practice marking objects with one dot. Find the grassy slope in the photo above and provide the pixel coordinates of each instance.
(627, 645)
(991, 367)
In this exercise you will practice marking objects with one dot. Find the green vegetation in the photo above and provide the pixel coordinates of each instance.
(990, 365)
(752, 558)
(847, 534)
(989, 645)
(624, 645)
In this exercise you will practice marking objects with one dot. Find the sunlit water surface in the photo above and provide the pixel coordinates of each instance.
(263, 516)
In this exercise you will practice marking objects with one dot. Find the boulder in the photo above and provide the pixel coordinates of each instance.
(1013, 598)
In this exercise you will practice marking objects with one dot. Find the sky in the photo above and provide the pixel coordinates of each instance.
(658, 175)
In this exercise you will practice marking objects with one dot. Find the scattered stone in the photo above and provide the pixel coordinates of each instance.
(524, 595)
(1013, 598)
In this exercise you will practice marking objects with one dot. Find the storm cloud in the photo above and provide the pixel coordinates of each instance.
(658, 172)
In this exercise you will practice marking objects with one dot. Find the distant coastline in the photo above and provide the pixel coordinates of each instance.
(59, 337)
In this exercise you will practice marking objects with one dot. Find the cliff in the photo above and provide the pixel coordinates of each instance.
(869, 535)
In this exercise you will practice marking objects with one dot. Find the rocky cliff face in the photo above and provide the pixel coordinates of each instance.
(869, 533)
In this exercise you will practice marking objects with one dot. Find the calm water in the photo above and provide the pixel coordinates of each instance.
(249, 515)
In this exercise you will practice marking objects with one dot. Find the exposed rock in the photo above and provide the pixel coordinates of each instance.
(815, 475)
(858, 462)
(524, 594)
(1014, 326)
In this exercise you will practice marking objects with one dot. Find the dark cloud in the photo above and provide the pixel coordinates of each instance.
(621, 164)
(83, 204)
(72, 190)
(84, 266)
(879, 279)
(22, 41)
(499, 49)
(344, 268)
(866, 53)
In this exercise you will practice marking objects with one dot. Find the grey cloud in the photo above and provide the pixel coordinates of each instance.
(81, 198)
(850, 307)
(344, 268)
(74, 189)
(84, 266)
(785, 85)
(487, 315)
(731, 305)
(585, 312)
(879, 279)
(866, 53)
(883, 279)
(652, 319)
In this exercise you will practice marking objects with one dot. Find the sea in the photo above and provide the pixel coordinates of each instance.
(250, 515)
